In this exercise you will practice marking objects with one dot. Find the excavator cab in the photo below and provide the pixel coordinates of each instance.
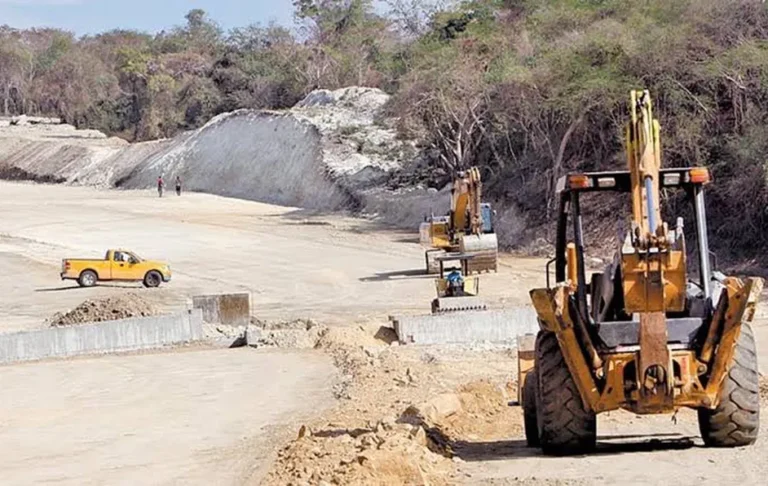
(645, 334)
(487, 221)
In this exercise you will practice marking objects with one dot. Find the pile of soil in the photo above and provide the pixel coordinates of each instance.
(106, 309)
(405, 416)
(484, 413)
(388, 453)
(296, 334)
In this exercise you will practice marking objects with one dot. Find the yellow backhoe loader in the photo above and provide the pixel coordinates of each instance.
(468, 227)
(651, 333)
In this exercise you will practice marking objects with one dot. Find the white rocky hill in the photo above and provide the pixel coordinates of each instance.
(321, 154)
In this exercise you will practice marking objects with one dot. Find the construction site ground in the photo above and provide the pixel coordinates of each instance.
(199, 416)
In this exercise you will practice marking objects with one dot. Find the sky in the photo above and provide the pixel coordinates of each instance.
(93, 16)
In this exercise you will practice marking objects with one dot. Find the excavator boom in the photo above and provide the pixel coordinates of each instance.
(653, 269)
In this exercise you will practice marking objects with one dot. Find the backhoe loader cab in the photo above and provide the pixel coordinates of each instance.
(602, 297)
(642, 335)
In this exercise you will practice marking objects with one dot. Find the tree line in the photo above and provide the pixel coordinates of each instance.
(527, 89)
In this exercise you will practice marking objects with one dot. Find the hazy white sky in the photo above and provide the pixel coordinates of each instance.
(93, 16)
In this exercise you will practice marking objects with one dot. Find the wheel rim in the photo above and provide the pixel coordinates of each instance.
(154, 280)
(88, 279)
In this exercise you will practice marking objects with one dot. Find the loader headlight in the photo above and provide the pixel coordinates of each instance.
(671, 180)
(606, 182)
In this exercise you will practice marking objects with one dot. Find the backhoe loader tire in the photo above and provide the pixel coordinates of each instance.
(565, 427)
(529, 409)
(736, 420)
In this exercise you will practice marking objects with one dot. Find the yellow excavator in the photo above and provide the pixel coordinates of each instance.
(651, 333)
(467, 229)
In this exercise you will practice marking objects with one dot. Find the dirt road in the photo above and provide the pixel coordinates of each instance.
(211, 416)
(187, 417)
(632, 450)
(198, 416)
(330, 268)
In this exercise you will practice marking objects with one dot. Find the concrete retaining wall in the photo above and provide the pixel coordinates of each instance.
(230, 309)
(104, 337)
(466, 327)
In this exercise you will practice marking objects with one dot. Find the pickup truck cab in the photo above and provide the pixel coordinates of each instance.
(117, 265)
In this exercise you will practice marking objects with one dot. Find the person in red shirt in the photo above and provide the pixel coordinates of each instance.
(160, 185)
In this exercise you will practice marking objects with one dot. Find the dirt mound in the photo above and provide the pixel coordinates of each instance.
(404, 416)
(484, 413)
(419, 447)
(388, 453)
(295, 334)
(107, 309)
(356, 353)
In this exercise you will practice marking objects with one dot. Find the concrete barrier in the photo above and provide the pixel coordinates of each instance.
(103, 337)
(466, 327)
(229, 309)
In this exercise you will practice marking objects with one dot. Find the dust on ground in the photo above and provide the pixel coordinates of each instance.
(764, 390)
(190, 416)
(106, 309)
(439, 415)
(402, 412)
(285, 334)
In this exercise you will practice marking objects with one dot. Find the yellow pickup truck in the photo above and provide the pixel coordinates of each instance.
(117, 265)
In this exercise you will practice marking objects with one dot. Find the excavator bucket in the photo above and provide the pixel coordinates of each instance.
(485, 249)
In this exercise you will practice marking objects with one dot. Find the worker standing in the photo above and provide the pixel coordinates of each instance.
(160, 185)
(178, 185)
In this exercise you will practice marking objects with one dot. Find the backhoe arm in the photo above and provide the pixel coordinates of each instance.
(644, 161)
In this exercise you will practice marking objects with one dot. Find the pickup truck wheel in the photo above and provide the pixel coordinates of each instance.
(88, 278)
(152, 279)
